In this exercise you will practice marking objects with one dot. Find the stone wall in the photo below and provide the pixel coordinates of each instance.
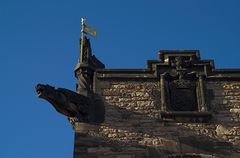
(226, 110)
(133, 127)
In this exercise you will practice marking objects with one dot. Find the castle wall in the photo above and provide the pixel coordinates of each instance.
(178, 107)
(133, 127)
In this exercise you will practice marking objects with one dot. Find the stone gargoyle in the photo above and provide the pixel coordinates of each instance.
(72, 104)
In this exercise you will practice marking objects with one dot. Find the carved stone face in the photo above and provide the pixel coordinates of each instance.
(43, 91)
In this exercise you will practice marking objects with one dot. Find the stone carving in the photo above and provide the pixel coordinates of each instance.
(178, 62)
(71, 104)
(85, 69)
(182, 85)
(88, 57)
(156, 112)
(87, 51)
(182, 96)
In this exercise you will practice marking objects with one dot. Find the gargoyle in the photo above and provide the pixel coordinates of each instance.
(72, 104)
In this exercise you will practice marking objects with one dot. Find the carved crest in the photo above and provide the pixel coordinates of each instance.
(182, 84)
(182, 96)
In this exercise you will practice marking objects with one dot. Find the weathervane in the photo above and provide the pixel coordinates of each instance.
(85, 30)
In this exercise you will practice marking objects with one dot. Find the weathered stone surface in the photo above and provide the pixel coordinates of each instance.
(132, 120)
(140, 120)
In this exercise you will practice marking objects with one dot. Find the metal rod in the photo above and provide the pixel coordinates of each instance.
(82, 41)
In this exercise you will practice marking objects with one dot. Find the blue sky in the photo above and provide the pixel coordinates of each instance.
(39, 43)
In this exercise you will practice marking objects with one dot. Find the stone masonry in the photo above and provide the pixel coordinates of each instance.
(141, 122)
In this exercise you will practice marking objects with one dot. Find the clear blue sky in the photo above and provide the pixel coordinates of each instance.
(39, 42)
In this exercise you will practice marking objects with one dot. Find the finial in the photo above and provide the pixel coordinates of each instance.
(83, 21)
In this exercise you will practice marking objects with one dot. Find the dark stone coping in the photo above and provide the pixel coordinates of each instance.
(225, 74)
(150, 63)
(179, 53)
(227, 71)
(124, 70)
(148, 73)
(125, 73)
